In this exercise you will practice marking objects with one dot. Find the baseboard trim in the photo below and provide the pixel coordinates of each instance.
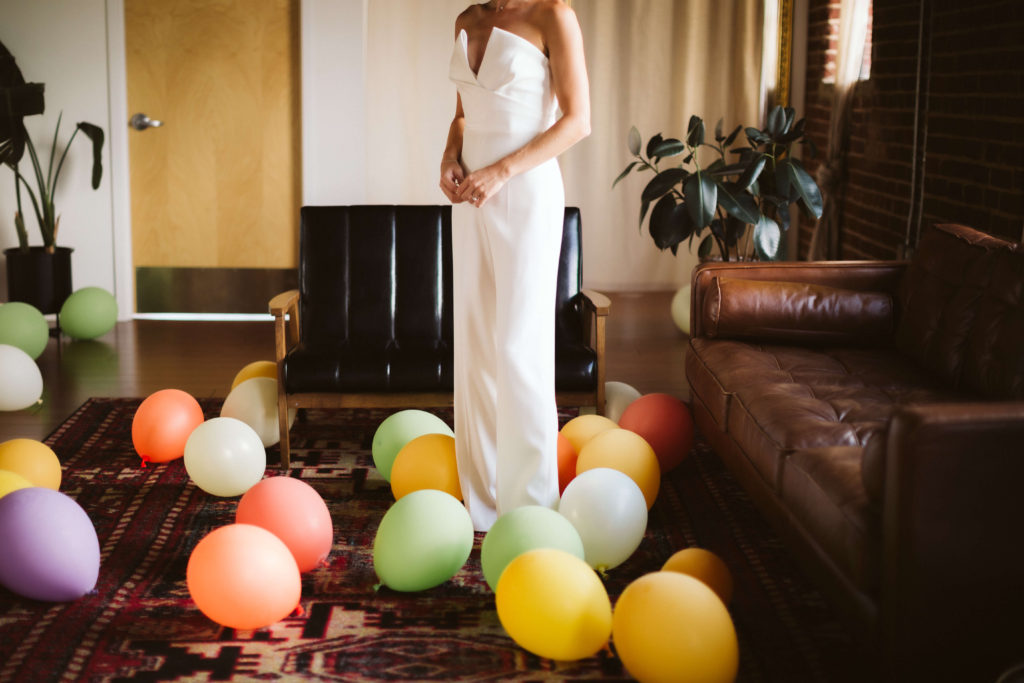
(209, 290)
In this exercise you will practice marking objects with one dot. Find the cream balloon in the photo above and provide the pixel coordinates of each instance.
(225, 457)
(681, 309)
(609, 511)
(254, 402)
(21, 383)
(617, 397)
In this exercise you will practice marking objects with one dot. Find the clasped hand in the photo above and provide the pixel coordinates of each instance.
(475, 188)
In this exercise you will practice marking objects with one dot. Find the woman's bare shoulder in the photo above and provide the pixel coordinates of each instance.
(553, 15)
(468, 18)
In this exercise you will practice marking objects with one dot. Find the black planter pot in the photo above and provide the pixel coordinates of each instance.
(38, 278)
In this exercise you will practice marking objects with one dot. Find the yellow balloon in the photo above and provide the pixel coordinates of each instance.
(12, 481)
(670, 627)
(583, 428)
(257, 368)
(554, 605)
(703, 565)
(33, 460)
(426, 462)
(625, 451)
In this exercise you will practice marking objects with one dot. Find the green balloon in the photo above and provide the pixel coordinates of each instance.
(399, 429)
(88, 313)
(422, 541)
(526, 528)
(23, 326)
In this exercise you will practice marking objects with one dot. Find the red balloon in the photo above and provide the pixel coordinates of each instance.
(293, 511)
(665, 423)
(163, 423)
(567, 456)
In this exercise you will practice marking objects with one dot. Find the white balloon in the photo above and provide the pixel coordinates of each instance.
(681, 309)
(609, 511)
(21, 383)
(254, 402)
(617, 397)
(225, 457)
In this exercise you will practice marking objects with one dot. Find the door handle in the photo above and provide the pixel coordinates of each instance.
(141, 122)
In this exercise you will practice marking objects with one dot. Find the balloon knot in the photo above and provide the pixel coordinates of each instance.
(602, 571)
(145, 459)
(298, 611)
(377, 587)
(323, 562)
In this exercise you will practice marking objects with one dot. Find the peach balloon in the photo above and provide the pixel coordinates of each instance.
(703, 565)
(293, 511)
(242, 576)
(665, 423)
(33, 460)
(583, 428)
(567, 456)
(426, 462)
(627, 452)
(163, 423)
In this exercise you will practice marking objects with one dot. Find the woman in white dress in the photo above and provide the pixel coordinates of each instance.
(523, 99)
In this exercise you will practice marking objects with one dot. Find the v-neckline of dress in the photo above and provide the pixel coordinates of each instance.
(464, 39)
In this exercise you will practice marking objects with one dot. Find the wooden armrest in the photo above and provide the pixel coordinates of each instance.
(284, 301)
(596, 300)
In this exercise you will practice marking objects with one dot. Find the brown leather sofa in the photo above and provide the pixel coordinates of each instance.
(874, 411)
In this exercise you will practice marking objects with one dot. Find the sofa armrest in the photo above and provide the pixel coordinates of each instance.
(596, 306)
(858, 276)
(285, 309)
(953, 556)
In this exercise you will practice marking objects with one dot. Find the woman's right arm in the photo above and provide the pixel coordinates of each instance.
(452, 172)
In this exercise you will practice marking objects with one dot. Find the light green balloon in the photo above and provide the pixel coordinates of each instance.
(399, 429)
(88, 313)
(23, 326)
(526, 528)
(422, 541)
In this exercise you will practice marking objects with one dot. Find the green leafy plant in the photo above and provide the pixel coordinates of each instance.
(742, 205)
(42, 197)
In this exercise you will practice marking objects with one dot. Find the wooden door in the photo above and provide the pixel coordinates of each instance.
(217, 186)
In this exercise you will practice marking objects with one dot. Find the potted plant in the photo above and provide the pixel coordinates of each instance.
(741, 207)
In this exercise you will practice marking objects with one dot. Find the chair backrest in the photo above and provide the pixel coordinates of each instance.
(382, 275)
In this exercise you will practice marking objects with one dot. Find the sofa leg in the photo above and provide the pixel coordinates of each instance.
(282, 425)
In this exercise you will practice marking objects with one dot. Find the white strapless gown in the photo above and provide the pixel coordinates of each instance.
(505, 269)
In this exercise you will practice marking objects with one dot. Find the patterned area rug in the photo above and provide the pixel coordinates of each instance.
(141, 625)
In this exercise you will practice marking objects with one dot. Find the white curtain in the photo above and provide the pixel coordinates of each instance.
(651, 63)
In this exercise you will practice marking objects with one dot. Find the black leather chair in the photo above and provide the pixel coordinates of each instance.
(371, 322)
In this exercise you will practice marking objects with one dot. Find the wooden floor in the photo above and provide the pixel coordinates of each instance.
(644, 350)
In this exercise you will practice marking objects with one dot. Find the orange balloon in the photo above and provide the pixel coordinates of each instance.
(426, 462)
(704, 565)
(33, 460)
(665, 423)
(163, 423)
(242, 576)
(566, 462)
(257, 368)
(583, 428)
(293, 511)
(627, 452)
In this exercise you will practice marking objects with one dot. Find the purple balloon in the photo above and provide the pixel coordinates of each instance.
(48, 546)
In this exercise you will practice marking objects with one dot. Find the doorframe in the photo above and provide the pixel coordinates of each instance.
(120, 178)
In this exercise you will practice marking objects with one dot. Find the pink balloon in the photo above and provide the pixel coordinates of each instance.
(48, 546)
(293, 511)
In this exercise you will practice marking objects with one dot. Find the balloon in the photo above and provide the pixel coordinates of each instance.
(627, 452)
(33, 460)
(399, 429)
(703, 565)
(609, 512)
(681, 309)
(242, 576)
(617, 397)
(293, 511)
(566, 462)
(88, 313)
(553, 605)
(23, 326)
(257, 368)
(526, 528)
(422, 541)
(50, 548)
(583, 428)
(426, 462)
(21, 383)
(671, 627)
(664, 421)
(163, 423)
(12, 481)
(254, 402)
(225, 457)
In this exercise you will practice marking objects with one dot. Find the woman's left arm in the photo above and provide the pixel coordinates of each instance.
(569, 79)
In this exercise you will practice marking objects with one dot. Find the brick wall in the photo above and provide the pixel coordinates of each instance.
(968, 165)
